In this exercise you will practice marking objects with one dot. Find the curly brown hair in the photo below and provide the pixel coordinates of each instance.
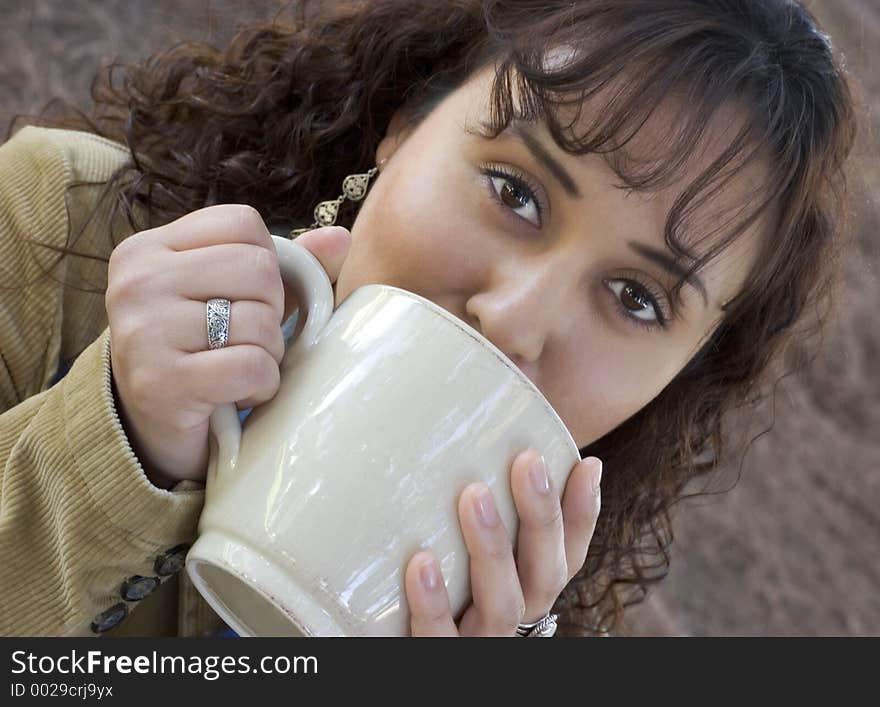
(282, 114)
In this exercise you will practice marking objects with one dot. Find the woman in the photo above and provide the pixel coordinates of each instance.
(635, 201)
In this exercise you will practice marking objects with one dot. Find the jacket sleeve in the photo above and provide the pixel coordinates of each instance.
(83, 533)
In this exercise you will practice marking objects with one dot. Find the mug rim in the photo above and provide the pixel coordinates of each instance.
(480, 339)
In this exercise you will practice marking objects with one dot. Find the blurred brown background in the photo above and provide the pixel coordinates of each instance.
(794, 548)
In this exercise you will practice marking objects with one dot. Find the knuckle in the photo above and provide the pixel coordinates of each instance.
(508, 614)
(555, 589)
(519, 611)
(110, 296)
(127, 281)
(434, 616)
(130, 250)
(546, 585)
(248, 219)
(124, 330)
(260, 371)
(551, 519)
(263, 263)
(499, 549)
(268, 329)
(120, 288)
(124, 250)
(252, 365)
(117, 260)
(136, 329)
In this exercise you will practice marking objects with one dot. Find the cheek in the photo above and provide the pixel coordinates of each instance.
(410, 233)
(613, 385)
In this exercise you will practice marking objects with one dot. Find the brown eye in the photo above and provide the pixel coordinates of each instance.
(633, 299)
(637, 304)
(514, 197)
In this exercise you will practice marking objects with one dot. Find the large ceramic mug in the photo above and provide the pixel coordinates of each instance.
(387, 408)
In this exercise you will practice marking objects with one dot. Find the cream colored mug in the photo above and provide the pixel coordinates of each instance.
(387, 408)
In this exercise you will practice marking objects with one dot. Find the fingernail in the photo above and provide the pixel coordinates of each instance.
(429, 575)
(597, 475)
(486, 508)
(538, 475)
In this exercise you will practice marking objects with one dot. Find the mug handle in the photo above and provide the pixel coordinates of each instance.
(303, 273)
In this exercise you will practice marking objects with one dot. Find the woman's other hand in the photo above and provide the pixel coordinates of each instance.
(510, 588)
(166, 380)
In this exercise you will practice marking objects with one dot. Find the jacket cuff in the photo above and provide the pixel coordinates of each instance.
(110, 471)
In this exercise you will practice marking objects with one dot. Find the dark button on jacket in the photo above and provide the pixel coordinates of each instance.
(111, 617)
(136, 588)
(171, 561)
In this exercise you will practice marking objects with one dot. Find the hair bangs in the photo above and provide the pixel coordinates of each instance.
(595, 96)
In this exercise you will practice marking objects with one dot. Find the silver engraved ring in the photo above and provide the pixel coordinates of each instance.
(544, 627)
(217, 315)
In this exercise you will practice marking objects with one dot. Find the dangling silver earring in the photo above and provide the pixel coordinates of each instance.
(354, 188)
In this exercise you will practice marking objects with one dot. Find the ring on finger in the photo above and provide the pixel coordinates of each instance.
(217, 313)
(544, 627)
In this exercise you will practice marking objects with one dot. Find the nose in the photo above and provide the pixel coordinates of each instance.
(524, 307)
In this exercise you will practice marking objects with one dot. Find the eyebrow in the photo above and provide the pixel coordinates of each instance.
(545, 158)
(655, 255)
(671, 265)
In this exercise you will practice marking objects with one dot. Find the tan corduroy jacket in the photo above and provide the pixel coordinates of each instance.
(83, 533)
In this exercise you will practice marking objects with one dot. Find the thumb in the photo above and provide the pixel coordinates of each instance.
(329, 245)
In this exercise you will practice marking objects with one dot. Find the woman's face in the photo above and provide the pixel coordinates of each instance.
(566, 279)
